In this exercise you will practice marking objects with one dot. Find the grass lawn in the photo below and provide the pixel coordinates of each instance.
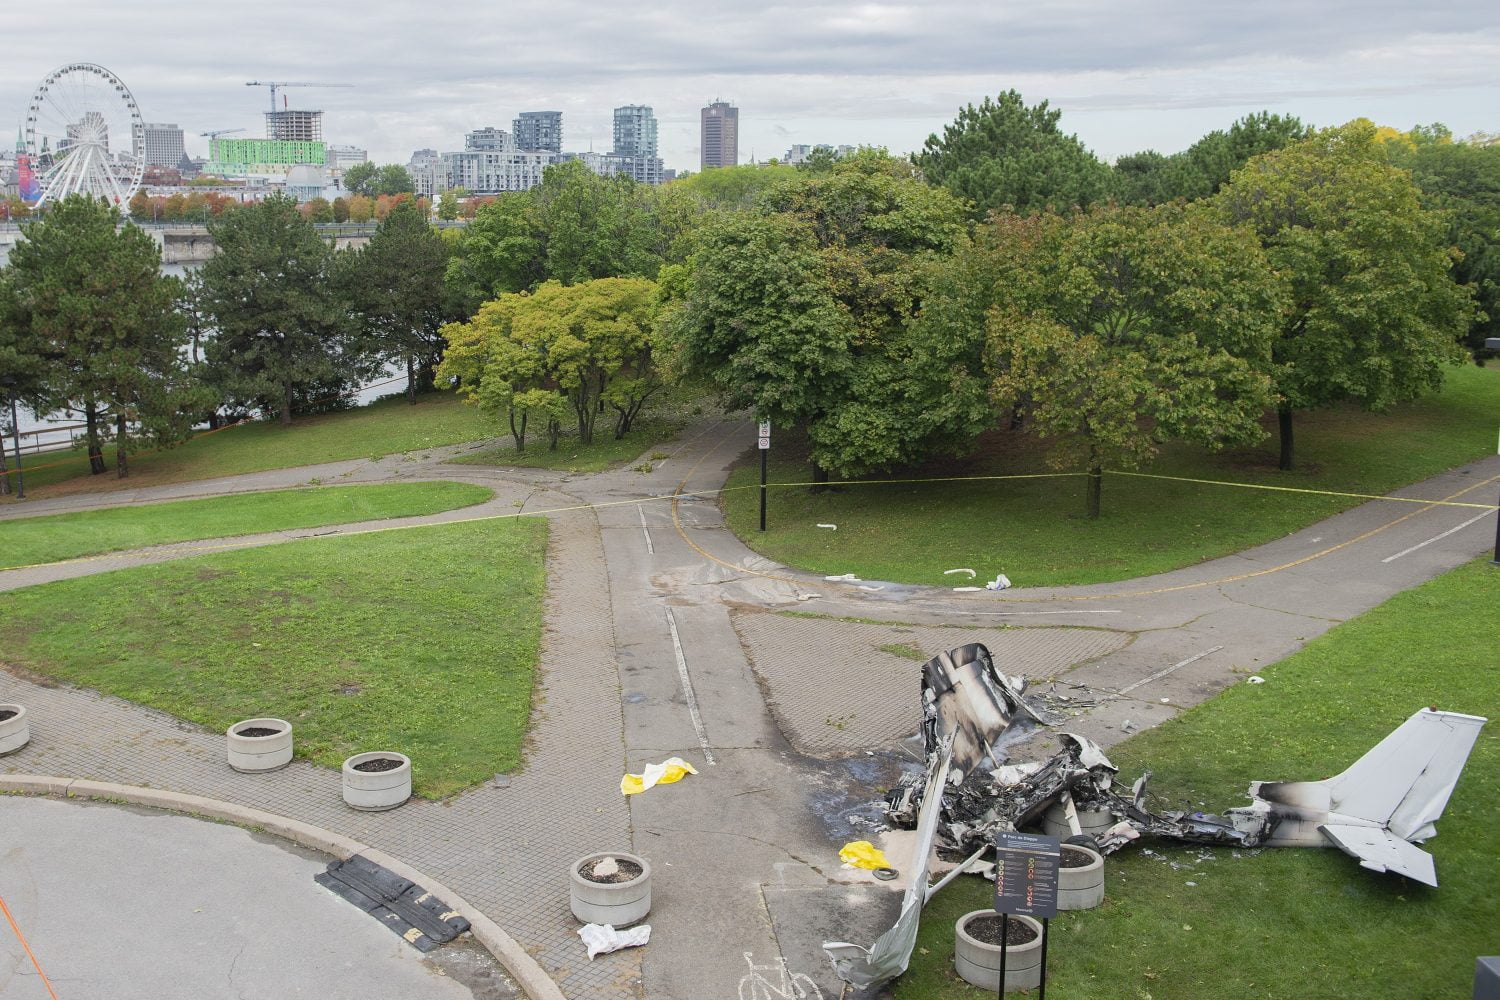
(382, 428)
(1034, 531)
(602, 453)
(1290, 922)
(64, 536)
(422, 640)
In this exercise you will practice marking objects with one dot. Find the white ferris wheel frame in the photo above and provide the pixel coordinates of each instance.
(86, 167)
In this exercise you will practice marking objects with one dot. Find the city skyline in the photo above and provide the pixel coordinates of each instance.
(1158, 76)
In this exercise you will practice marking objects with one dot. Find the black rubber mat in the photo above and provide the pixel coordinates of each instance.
(422, 919)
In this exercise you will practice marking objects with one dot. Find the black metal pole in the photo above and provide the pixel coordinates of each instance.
(15, 427)
(1042, 995)
(1493, 562)
(763, 452)
(1004, 941)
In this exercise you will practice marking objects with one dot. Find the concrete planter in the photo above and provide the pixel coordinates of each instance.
(979, 963)
(375, 791)
(618, 904)
(15, 731)
(1091, 821)
(1081, 888)
(254, 754)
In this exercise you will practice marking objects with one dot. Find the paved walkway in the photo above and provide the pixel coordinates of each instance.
(665, 635)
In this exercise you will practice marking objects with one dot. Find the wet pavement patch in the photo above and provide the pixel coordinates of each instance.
(422, 920)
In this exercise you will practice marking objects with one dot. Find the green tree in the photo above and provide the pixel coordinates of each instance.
(87, 297)
(448, 206)
(395, 287)
(591, 344)
(1375, 314)
(1204, 167)
(359, 178)
(1119, 329)
(340, 210)
(499, 252)
(802, 311)
(320, 210)
(280, 325)
(1005, 153)
(393, 179)
(1461, 182)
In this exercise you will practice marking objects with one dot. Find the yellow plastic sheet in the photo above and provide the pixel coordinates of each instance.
(863, 854)
(665, 773)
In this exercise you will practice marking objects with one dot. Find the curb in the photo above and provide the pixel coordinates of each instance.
(529, 975)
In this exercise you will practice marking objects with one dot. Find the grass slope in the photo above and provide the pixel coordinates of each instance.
(382, 428)
(423, 641)
(1033, 529)
(65, 536)
(1290, 922)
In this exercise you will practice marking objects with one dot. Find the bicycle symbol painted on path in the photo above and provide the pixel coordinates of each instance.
(773, 982)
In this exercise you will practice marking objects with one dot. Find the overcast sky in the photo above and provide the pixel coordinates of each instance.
(1127, 76)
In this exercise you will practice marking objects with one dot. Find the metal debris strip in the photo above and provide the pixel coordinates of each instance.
(1376, 810)
(422, 920)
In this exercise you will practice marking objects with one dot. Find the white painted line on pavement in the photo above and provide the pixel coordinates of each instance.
(687, 689)
(645, 530)
(1437, 538)
(1167, 670)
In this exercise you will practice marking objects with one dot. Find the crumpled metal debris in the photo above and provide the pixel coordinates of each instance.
(1376, 810)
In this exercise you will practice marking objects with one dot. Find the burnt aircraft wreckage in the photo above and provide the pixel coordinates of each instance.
(1376, 811)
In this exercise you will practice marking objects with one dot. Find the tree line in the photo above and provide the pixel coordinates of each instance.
(894, 308)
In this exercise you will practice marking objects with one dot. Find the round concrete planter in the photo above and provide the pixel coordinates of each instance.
(618, 904)
(979, 963)
(374, 791)
(1091, 821)
(254, 754)
(15, 732)
(1081, 888)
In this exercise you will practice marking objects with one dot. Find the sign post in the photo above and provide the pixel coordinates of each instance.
(1027, 868)
(763, 442)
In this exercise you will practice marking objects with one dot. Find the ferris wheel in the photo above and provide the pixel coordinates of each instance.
(84, 134)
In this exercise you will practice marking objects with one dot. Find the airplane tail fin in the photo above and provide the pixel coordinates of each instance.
(1404, 782)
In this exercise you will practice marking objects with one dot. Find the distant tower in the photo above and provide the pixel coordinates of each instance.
(539, 130)
(721, 135)
(635, 143)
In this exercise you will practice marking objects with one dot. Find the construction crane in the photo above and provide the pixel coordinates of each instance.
(215, 133)
(280, 83)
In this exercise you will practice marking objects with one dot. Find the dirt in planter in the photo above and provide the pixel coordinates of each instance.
(628, 870)
(987, 930)
(1072, 857)
(257, 731)
(8, 713)
(378, 764)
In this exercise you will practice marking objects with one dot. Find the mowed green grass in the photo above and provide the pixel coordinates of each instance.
(604, 452)
(1033, 529)
(386, 427)
(421, 640)
(1290, 922)
(25, 541)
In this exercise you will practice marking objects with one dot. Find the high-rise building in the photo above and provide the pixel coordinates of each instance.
(341, 158)
(635, 143)
(720, 132)
(261, 158)
(539, 130)
(801, 153)
(490, 163)
(162, 145)
(295, 126)
(429, 173)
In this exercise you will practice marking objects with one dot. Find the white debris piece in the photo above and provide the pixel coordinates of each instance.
(602, 938)
(843, 578)
(607, 867)
(967, 590)
(1001, 582)
(1255, 679)
(832, 527)
(950, 572)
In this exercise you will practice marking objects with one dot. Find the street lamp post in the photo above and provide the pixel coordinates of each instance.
(15, 428)
(1493, 343)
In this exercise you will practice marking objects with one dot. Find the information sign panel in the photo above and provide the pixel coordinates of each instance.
(1026, 874)
(765, 435)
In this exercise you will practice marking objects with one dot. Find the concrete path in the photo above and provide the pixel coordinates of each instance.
(119, 903)
(667, 636)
